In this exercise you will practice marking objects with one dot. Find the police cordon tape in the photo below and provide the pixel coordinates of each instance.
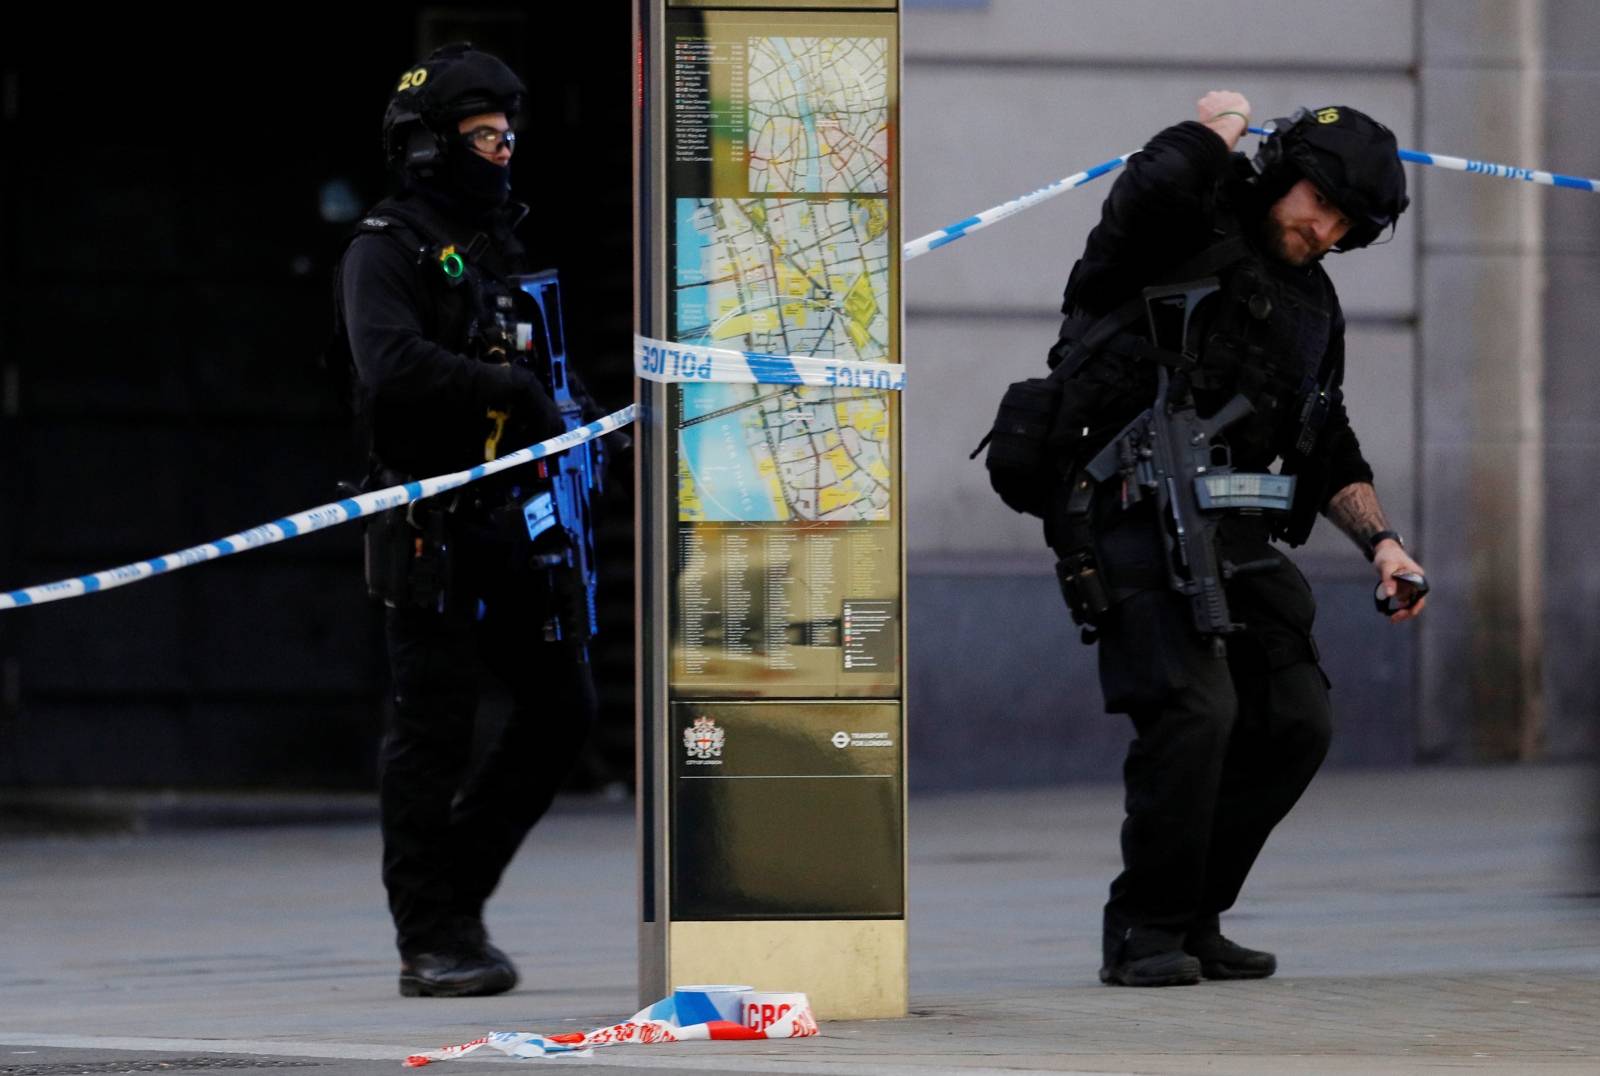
(689, 1014)
(314, 519)
(979, 221)
(664, 360)
(1501, 171)
(1487, 168)
(658, 360)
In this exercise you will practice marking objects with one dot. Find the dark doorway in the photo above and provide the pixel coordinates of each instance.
(173, 196)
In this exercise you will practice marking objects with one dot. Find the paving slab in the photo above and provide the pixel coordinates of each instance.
(1425, 920)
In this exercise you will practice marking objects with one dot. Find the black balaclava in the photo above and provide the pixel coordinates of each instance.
(481, 184)
(420, 137)
(466, 187)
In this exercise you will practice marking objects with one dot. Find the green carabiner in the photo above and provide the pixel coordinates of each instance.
(452, 263)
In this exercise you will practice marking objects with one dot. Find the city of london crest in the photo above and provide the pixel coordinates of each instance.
(703, 739)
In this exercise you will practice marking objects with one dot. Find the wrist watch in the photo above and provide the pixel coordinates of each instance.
(1374, 540)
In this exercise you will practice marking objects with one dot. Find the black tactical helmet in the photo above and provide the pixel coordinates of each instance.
(455, 81)
(1351, 157)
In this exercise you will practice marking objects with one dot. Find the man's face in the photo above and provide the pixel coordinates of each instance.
(487, 134)
(1304, 225)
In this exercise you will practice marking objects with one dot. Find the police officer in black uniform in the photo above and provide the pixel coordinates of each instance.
(1229, 728)
(426, 310)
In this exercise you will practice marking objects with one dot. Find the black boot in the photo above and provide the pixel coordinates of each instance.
(1223, 959)
(1142, 957)
(476, 939)
(454, 973)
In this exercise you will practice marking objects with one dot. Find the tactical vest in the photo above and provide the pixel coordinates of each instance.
(468, 308)
(1265, 334)
(1270, 339)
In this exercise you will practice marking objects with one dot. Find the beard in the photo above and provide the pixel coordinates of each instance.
(1278, 243)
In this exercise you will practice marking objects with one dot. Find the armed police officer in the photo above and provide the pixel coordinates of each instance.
(426, 308)
(1203, 343)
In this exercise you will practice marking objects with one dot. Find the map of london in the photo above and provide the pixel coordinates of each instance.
(819, 115)
(791, 275)
(771, 452)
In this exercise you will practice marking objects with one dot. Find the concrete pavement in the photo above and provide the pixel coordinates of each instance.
(1424, 920)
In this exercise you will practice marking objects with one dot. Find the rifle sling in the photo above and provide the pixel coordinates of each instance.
(1108, 329)
(1108, 333)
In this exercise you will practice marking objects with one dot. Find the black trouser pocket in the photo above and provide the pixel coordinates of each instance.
(1279, 611)
(1147, 646)
(407, 562)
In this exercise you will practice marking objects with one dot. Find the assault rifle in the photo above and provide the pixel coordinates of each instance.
(1171, 454)
(560, 516)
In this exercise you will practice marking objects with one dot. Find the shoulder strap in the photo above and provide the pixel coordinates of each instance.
(1210, 260)
(411, 229)
(381, 219)
(419, 230)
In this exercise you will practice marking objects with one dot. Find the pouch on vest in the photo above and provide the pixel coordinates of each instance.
(1020, 464)
(1020, 461)
(1017, 461)
(408, 557)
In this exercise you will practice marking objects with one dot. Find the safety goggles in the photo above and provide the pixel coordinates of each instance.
(489, 140)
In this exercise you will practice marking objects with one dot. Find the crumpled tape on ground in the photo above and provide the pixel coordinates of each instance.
(647, 1026)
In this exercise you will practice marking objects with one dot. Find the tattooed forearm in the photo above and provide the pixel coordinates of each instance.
(1356, 511)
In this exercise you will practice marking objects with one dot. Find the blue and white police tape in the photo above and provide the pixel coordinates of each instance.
(1488, 168)
(945, 236)
(660, 360)
(663, 360)
(314, 519)
(935, 240)
(1501, 171)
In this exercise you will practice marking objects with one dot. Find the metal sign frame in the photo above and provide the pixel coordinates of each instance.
(818, 775)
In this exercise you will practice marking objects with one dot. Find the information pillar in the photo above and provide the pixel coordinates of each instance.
(771, 531)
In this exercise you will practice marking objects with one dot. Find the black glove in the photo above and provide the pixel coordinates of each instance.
(532, 409)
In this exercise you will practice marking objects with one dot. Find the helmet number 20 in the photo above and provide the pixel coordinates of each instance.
(412, 79)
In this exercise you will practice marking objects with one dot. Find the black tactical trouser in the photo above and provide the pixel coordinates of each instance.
(455, 806)
(1224, 747)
